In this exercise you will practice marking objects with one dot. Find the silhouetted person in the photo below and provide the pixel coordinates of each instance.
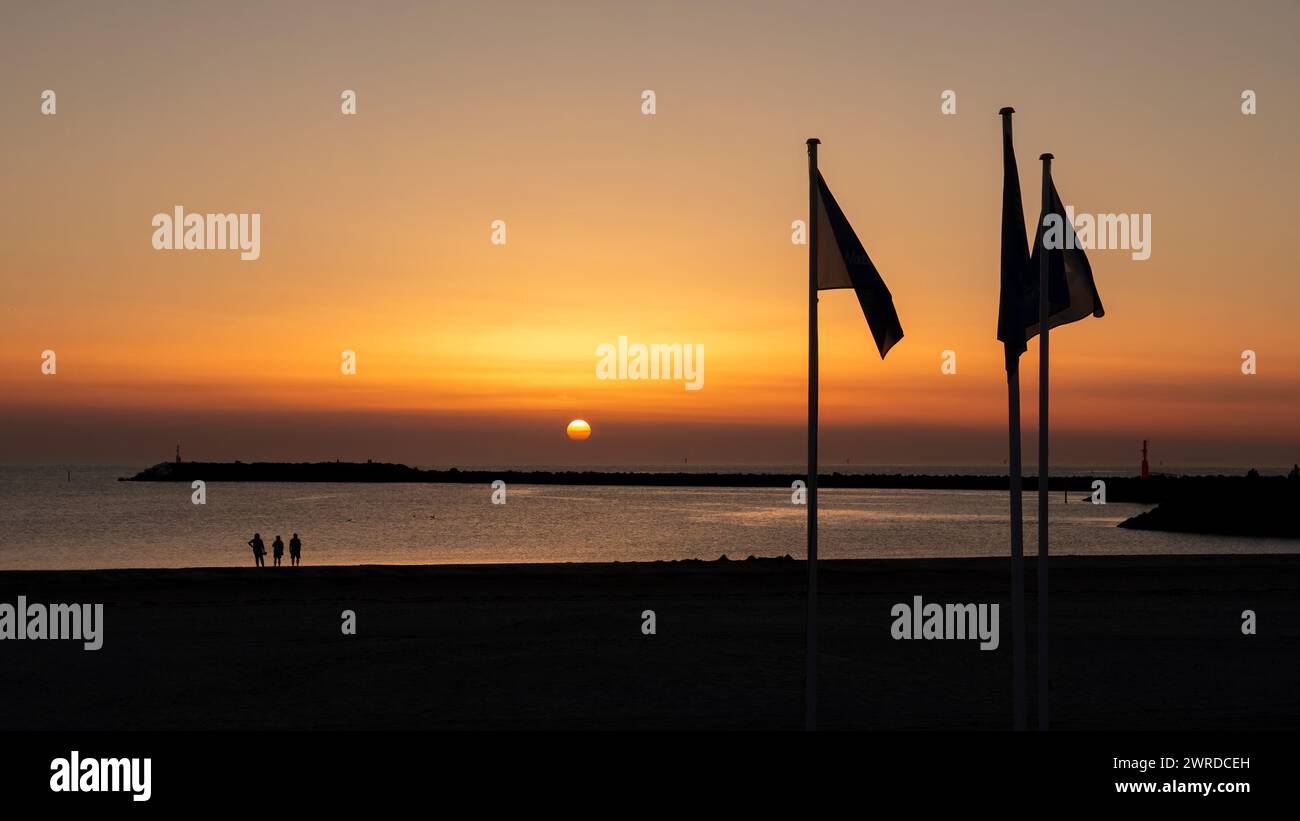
(278, 547)
(259, 549)
(295, 550)
(1295, 472)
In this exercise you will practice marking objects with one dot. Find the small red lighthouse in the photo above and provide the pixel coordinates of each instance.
(1146, 471)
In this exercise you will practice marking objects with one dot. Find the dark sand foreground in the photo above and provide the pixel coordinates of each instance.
(1137, 643)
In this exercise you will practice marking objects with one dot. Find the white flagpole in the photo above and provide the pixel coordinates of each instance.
(810, 684)
(1044, 309)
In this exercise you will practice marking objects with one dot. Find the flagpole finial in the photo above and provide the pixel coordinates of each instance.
(814, 141)
(1045, 157)
(1007, 110)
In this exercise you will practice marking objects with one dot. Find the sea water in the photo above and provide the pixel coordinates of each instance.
(48, 521)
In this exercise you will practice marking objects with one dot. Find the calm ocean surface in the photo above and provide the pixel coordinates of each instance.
(94, 521)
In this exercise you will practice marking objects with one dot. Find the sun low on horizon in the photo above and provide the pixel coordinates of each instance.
(578, 430)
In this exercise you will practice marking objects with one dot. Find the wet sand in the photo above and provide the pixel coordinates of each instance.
(1137, 643)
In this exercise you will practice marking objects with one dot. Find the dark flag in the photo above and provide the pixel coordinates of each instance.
(843, 263)
(1071, 290)
(1019, 286)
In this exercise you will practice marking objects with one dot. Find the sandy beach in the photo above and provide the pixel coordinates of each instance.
(1137, 643)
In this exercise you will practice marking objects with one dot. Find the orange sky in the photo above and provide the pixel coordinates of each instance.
(666, 228)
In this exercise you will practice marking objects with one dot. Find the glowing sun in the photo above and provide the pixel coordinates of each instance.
(578, 430)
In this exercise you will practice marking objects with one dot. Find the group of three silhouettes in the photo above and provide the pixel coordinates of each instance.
(259, 549)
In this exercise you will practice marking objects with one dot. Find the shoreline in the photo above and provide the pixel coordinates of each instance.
(634, 566)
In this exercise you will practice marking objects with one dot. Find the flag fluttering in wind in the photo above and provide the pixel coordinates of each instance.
(836, 259)
(1019, 285)
(1072, 293)
(842, 262)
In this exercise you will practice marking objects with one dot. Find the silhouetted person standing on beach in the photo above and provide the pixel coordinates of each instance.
(295, 550)
(259, 549)
(278, 547)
